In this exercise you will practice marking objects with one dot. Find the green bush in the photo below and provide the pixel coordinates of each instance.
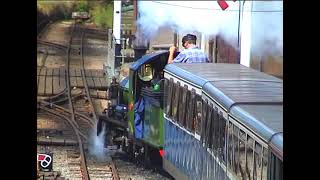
(101, 12)
(102, 15)
(82, 6)
(55, 10)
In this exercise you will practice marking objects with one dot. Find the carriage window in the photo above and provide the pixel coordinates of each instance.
(264, 163)
(236, 150)
(175, 101)
(182, 105)
(218, 133)
(230, 145)
(249, 162)
(168, 95)
(215, 129)
(188, 113)
(257, 166)
(145, 72)
(191, 111)
(242, 154)
(204, 120)
(165, 95)
(208, 135)
(280, 170)
(275, 168)
(279, 175)
(198, 114)
(222, 137)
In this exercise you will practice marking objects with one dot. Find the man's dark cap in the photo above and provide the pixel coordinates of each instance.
(189, 37)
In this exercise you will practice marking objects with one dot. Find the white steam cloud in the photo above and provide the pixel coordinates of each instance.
(208, 18)
(96, 147)
(267, 27)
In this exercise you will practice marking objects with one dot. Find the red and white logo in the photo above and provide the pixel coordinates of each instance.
(45, 160)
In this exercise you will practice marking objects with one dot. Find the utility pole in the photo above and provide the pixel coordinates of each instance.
(245, 34)
(117, 31)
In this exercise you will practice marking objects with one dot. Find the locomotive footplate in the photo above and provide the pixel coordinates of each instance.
(104, 118)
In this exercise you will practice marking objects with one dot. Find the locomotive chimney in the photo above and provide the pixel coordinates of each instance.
(140, 46)
(139, 52)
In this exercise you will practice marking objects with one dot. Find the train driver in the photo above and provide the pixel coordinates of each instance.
(191, 54)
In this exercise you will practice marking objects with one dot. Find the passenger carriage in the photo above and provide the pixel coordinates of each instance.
(222, 122)
(205, 120)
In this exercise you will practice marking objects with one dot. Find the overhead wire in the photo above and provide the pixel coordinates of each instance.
(211, 9)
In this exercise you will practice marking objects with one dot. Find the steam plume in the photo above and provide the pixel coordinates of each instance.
(96, 147)
(208, 18)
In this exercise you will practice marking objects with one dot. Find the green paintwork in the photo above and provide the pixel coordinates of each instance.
(125, 96)
(131, 100)
(153, 121)
(153, 118)
(153, 124)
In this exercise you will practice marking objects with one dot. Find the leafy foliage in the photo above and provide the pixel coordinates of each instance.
(101, 12)
(103, 15)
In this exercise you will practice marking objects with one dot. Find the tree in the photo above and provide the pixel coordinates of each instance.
(102, 14)
(82, 6)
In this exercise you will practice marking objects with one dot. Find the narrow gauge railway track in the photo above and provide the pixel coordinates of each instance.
(66, 112)
(69, 115)
(43, 61)
(48, 43)
(51, 44)
(44, 58)
(85, 80)
(46, 26)
(96, 33)
(101, 169)
(63, 115)
(97, 169)
(131, 170)
(90, 168)
(54, 131)
(66, 162)
(84, 167)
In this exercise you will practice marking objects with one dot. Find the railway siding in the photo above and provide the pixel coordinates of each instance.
(51, 81)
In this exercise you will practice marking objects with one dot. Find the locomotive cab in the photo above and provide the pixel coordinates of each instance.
(145, 105)
(146, 86)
